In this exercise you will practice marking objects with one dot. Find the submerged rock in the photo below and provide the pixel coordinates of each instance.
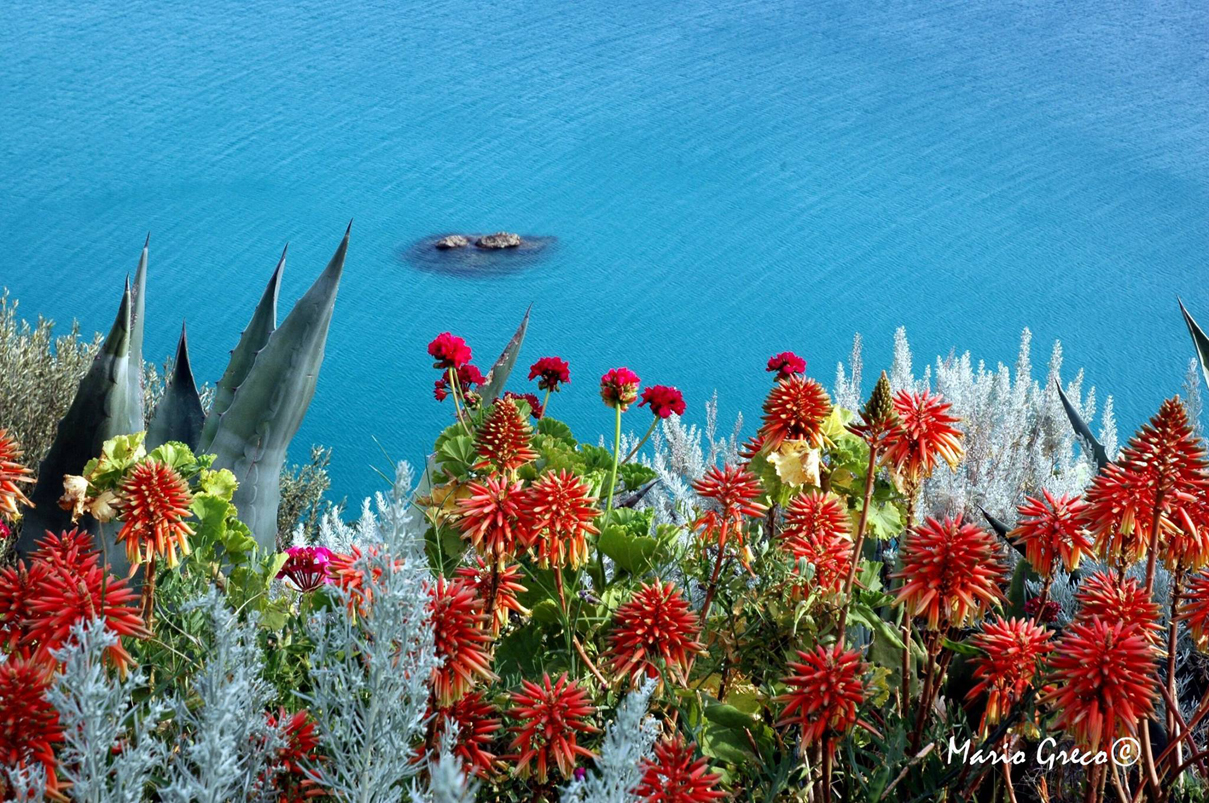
(501, 239)
(452, 241)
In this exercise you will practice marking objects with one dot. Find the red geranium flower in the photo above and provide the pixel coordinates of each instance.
(535, 406)
(923, 435)
(490, 518)
(307, 567)
(825, 691)
(551, 717)
(12, 473)
(507, 587)
(950, 571)
(154, 504)
(1051, 531)
(558, 512)
(619, 388)
(664, 400)
(550, 373)
(476, 722)
(449, 351)
(1126, 602)
(470, 376)
(1013, 650)
(503, 439)
(440, 390)
(786, 364)
(1163, 465)
(1105, 677)
(656, 623)
(461, 639)
(795, 410)
(29, 727)
(673, 776)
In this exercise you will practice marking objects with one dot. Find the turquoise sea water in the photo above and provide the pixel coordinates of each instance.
(724, 180)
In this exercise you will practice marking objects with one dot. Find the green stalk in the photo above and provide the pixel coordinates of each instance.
(455, 388)
(612, 486)
(650, 431)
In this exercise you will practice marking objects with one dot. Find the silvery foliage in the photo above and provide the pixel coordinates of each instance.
(97, 712)
(226, 747)
(370, 674)
(681, 455)
(1192, 396)
(1018, 439)
(26, 784)
(627, 741)
(1063, 588)
(447, 778)
(847, 392)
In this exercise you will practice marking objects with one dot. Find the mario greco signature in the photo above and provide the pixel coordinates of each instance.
(1124, 752)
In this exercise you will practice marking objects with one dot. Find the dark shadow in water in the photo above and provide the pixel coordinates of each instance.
(471, 261)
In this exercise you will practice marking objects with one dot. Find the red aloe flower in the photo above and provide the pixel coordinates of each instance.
(795, 410)
(307, 567)
(1105, 677)
(1194, 609)
(1014, 648)
(825, 691)
(449, 351)
(29, 726)
(462, 641)
(503, 439)
(476, 722)
(558, 512)
(923, 435)
(71, 550)
(673, 776)
(507, 587)
(831, 557)
(20, 585)
(664, 400)
(12, 472)
(619, 388)
(734, 489)
(1125, 602)
(656, 623)
(1161, 469)
(154, 504)
(297, 757)
(786, 364)
(815, 515)
(550, 372)
(1051, 531)
(535, 406)
(490, 518)
(950, 570)
(1185, 545)
(347, 573)
(551, 717)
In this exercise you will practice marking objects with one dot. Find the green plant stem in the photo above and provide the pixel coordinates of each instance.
(455, 388)
(546, 403)
(713, 578)
(1177, 583)
(612, 487)
(650, 430)
(858, 542)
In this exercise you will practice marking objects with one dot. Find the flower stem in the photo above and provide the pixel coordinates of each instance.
(546, 403)
(858, 542)
(713, 578)
(641, 443)
(612, 486)
(147, 605)
(455, 387)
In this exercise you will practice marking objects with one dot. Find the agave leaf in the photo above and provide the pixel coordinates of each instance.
(179, 415)
(104, 407)
(271, 401)
(1083, 431)
(1001, 528)
(138, 306)
(1199, 339)
(253, 339)
(497, 377)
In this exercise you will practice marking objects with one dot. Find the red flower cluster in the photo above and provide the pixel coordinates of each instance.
(656, 623)
(664, 400)
(786, 364)
(475, 722)
(29, 727)
(1125, 602)
(1013, 649)
(12, 474)
(461, 639)
(507, 587)
(551, 717)
(950, 571)
(503, 439)
(154, 503)
(1194, 609)
(619, 388)
(1051, 531)
(490, 518)
(816, 529)
(735, 490)
(297, 757)
(535, 406)
(673, 776)
(825, 691)
(923, 435)
(794, 410)
(550, 373)
(449, 351)
(306, 567)
(348, 574)
(557, 512)
(1105, 678)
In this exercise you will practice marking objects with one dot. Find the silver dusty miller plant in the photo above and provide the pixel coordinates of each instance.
(627, 741)
(227, 748)
(109, 750)
(370, 673)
